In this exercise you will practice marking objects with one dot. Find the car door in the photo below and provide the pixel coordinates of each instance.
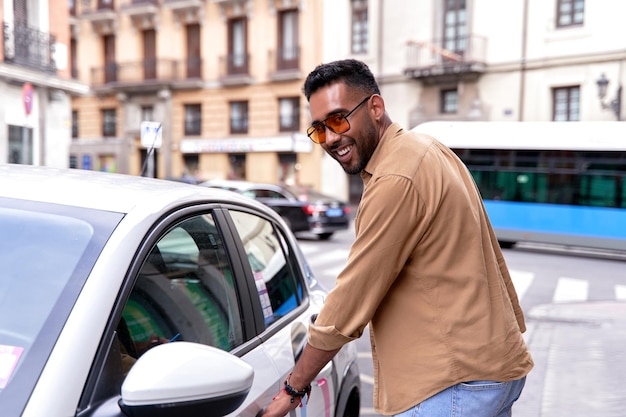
(188, 284)
(282, 294)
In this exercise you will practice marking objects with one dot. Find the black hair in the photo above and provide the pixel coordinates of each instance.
(352, 72)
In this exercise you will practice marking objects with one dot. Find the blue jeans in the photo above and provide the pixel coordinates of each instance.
(470, 399)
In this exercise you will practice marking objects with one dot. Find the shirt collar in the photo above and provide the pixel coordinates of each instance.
(379, 153)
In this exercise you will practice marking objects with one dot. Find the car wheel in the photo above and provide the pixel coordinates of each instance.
(324, 236)
(353, 406)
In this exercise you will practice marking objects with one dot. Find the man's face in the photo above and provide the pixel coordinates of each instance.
(353, 148)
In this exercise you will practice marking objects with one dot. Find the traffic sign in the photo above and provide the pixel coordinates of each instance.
(151, 135)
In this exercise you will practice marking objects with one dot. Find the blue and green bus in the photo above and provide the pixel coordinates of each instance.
(546, 182)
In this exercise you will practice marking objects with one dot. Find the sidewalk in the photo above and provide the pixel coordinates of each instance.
(579, 351)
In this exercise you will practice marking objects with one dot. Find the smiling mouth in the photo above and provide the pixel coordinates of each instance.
(344, 151)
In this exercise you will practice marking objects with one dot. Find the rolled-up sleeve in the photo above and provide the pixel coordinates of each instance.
(379, 252)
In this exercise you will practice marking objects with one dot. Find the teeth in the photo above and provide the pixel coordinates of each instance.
(344, 151)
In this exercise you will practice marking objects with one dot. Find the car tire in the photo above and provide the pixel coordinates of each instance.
(325, 236)
(349, 399)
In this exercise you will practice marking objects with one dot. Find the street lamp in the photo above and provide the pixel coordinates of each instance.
(616, 103)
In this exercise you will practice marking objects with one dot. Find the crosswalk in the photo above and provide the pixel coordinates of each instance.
(567, 289)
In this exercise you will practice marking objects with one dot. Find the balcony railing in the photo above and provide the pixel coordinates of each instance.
(237, 64)
(235, 69)
(28, 47)
(151, 70)
(284, 64)
(440, 61)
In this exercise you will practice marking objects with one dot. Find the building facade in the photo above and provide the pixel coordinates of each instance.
(35, 82)
(519, 60)
(221, 78)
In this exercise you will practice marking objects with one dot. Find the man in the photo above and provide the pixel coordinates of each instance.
(425, 270)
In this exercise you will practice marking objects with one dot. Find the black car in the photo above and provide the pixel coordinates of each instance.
(302, 209)
(326, 214)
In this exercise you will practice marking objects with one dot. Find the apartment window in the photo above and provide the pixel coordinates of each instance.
(109, 123)
(449, 101)
(359, 27)
(110, 66)
(149, 54)
(73, 58)
(193, 119)
(239, 117)
(570, 12)
(20, 12)
(20, 145)
(74, 124)
(455, 26)
(237, 46)
(72, 4)
(147, 114)
(566, 104)
(288, 48)
(105, 4)
(289, 114)
(194, 62)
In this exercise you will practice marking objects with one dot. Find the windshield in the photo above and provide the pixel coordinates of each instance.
(46, 254)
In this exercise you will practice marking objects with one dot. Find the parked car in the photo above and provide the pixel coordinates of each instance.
(326, 214)
(130, 296)
(302, 209)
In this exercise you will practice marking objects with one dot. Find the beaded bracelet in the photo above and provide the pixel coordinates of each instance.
(295, 393)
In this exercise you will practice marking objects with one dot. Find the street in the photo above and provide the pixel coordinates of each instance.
(575, 307)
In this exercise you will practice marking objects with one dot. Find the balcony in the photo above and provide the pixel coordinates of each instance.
(143, 13)
(186, 11)
(147, 76)
(28, 47)
(234, 69)
(432, 63)
(103, 16)
(285, 64)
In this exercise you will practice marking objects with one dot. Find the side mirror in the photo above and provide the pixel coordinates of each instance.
(184, 378)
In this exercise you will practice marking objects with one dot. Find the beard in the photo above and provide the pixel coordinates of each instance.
(366, 145)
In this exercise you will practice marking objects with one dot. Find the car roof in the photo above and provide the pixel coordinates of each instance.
(105, 191)
(241, 185)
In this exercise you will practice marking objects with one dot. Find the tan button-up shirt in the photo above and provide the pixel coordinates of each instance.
(428, 275)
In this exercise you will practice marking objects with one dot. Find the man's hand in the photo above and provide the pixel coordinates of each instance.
(281, 405)
(309, 364)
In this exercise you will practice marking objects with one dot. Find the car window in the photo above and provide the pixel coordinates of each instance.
(185, 289)
(276, 277)
(47, 252)
(269, 194)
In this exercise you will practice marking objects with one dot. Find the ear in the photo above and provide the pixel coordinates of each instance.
(377, 106)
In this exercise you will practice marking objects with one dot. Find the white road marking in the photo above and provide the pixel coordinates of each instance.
(521, 281)
(620, 292)
(571, 289)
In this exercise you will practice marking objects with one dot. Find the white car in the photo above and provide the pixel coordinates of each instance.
(129, 296)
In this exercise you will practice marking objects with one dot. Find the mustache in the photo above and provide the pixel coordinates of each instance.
(342, 143)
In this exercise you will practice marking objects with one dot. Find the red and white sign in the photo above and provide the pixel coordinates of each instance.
(27, 96)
